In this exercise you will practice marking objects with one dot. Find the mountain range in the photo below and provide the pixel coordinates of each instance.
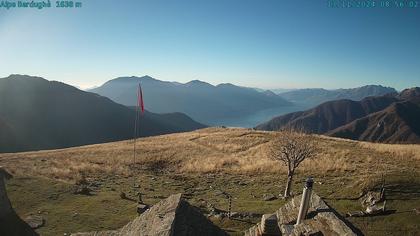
(391, 118)
(202, 101)
(316, 96)
(39, 114)
(398, 123)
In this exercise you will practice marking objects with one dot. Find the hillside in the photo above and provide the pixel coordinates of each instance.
(398, 123)
(202, 101)
(40, 114)
(203, 164)
(315, 96)
(328, 115)
(392, 118)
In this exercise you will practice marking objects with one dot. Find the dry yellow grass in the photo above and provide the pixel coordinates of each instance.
(400, 150)
(208, 150)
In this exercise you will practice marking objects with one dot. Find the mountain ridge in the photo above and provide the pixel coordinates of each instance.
(316, 96)
(328, 115)
(391, 118)
(200, 100)
(398, 123)
(42, 114)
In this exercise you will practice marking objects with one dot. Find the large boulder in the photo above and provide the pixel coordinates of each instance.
(10, 223)
(5, 206)
(172, 216)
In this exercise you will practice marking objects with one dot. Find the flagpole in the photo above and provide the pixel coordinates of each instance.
(135, 137)
(139, 107)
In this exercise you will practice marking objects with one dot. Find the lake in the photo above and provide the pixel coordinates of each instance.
(259, 117)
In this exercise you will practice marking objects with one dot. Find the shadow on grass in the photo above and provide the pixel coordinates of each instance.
(403, 191)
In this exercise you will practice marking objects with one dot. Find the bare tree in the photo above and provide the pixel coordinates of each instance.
(292, 148)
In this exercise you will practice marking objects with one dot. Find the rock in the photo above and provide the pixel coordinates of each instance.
(218, 216)
(82, 190)
(198, 189)
(375, 209)
(141, 208)
(35, 221)
(269, 197)
(239, 182)
(53, 196)
(269, 225)
(219, 192)
(159, 197)
(95, 184)
(123, 195)
(355, 214)
(10, 223)
(5, 206)
(248, 215)
(370, 198)
(235, 214)
(172, 216)
(322, 220)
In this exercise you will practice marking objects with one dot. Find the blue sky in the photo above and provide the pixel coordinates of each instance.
(259, 43)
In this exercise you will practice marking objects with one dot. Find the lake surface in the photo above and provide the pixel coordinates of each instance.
(260, 116)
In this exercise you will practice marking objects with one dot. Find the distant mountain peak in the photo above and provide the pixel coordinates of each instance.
(410, 93)
(20, 76)
(269, 93)
(147, 77)
(131, 79)
(319, 95)
(198, 83)
(227, 85)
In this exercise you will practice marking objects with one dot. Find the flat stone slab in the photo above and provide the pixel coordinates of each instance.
(35, 221)
(321, 219)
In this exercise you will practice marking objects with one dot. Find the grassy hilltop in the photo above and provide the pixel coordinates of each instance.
(202, 164)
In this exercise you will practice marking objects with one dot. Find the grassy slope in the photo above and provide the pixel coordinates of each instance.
(200, 163)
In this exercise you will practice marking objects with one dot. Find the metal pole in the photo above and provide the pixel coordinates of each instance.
(306, 198)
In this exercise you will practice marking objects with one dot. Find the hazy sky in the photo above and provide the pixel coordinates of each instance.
(260, 43)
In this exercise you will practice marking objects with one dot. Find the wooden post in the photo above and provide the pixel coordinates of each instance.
(140, 199)
(382, 196)
(230, 207)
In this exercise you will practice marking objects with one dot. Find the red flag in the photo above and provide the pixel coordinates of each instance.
(140, 99)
